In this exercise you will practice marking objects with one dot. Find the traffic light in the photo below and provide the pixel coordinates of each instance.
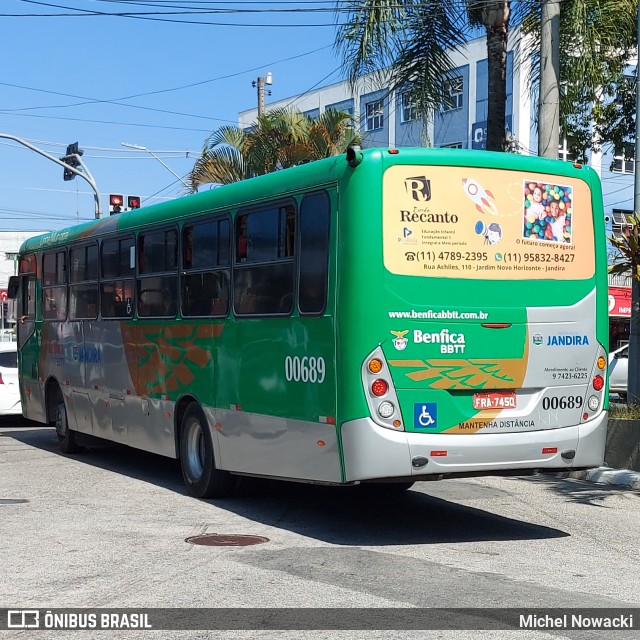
(72, 160)
(133, 202)
(115, 203)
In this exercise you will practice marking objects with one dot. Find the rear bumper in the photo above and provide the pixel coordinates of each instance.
(373, 452)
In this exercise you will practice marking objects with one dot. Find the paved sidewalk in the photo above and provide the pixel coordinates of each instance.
(607, 475)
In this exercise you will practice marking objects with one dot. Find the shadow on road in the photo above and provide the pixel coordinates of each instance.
(354, 516)
(578, 491)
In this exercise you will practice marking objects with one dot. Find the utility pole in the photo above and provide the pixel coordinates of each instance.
(549, 99)
(260, 83)
(633, 383)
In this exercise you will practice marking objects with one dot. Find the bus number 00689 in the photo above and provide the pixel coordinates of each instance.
(305, 369)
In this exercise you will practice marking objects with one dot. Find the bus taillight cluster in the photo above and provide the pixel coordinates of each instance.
(380, 392)
(594, 400)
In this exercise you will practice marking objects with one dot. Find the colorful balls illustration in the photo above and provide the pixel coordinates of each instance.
(531, 218)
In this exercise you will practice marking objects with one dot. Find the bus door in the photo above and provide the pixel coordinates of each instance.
(23, 289)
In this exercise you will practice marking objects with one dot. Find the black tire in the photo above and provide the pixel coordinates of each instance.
(67, 438)
(199, 471)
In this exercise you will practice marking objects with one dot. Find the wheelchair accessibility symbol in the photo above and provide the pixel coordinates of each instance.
(425, 415)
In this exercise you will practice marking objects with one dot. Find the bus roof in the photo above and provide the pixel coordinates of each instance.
(303, 177)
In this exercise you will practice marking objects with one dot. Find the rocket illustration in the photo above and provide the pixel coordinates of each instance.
(483, 199)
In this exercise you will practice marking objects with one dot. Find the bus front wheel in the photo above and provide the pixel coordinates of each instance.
(66, 437)
(199, 471)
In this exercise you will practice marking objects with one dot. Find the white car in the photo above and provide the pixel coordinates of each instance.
(618, 368)
(10, 403)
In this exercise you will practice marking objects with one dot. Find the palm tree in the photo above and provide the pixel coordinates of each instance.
(627, 262)
(494, 17)
(278, 139)
(406, 44)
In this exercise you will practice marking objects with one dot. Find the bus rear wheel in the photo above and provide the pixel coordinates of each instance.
(199, 471)
(67, 438)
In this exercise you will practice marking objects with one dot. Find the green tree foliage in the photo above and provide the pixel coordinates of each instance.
(597, 39)
(407, 44)
(278, 139)
(403, 45)
(626, 260)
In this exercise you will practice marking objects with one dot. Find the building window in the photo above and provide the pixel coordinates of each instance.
(621, 223)
(564, 152)
(453, 88)
(452, 145)
(375, 115)
(623, 161)
(409, 108)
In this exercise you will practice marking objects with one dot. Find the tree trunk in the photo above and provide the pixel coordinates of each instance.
(549, 98)
(496, 21)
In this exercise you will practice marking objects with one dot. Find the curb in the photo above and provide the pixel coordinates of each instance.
(607, 475)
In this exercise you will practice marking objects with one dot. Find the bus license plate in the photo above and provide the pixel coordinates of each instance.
(495, 400)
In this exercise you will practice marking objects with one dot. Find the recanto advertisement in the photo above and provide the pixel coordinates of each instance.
(462, 222)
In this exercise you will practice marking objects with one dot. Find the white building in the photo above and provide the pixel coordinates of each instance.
(390, 120)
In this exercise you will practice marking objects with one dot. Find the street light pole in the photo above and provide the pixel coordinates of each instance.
(167, 167)
(85, 174)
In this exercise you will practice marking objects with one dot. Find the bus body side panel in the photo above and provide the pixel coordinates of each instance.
(166, 360)
(275, 390)
(280, 447)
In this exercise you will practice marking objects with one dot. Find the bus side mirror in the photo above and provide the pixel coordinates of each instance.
(14, 287)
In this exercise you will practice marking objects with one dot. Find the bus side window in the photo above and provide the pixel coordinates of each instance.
(314, 253)
(206, 247)
(263, 281)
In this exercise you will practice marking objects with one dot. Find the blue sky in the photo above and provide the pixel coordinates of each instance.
(197, 77)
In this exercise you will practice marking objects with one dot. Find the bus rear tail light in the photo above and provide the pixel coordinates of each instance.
(1, 380)
(594, 398)
(375, 365)
(380, 393)
(598, 383)
(379, 387)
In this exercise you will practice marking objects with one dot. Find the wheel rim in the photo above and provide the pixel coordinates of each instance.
(195, 450)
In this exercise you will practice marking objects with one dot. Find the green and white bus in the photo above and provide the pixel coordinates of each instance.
(384, 316)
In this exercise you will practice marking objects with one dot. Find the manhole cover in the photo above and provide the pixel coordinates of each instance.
(226, 540)
(13, 501)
